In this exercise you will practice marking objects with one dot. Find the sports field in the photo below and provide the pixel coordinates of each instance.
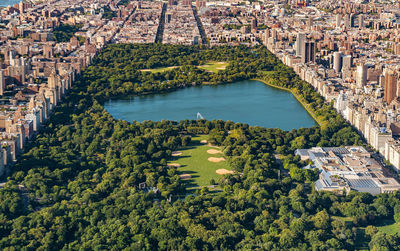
(214, 66)
(199, 160)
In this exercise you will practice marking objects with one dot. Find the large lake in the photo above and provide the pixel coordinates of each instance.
(251, 102)
(5, 3)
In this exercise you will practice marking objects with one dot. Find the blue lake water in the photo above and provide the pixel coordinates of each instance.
(8, 2)
(251, 102)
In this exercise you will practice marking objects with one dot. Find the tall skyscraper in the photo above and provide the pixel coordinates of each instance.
(308, 55)
(338, 20)
(2, 82)
(347, 62)
(265, 37)
(337, 61)
(301, 37)
(310, 22)
(347, 21)
(362, 71)
(352, 20)
(12, 59)
(390, 86)
(361, 21)
(254, 24)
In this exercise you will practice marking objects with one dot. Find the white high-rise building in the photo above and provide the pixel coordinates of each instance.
(361, 21)
(337, 61)
(338, 20)
(301, 37)
(341, 102)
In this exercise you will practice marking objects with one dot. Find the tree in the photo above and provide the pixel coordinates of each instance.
(321, 220)
(299, 142)
(379, 242)
(396, 217)
(371, 231)
(287, 238)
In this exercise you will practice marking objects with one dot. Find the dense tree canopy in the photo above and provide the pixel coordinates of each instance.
(77, 187)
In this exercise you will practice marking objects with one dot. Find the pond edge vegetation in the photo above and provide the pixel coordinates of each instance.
(300, 100)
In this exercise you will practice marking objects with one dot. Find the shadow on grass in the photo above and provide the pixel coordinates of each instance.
(384, 223)
(196, 142)
(190, 183)
(179, 157)
(189, 147)
(362, 241)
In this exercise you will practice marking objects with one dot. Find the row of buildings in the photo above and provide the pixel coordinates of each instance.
(142, 26)
(349, 54)
(37, 70)
(180, 25)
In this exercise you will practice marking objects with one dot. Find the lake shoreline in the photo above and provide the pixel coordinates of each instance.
(270, 108)
(303, 103)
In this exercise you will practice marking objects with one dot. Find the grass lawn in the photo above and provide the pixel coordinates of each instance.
(160, 69)
(214, 66)
(361, 243)
(389, 227)
(211, 66)
(194, 161)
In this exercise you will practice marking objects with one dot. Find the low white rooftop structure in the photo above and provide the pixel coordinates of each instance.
(349, 168)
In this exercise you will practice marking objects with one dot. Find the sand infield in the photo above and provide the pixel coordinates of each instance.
(216, 160)
(185, 176)
(165, 68)
(224, 171)
(176, 153)
(174, 165)
(213, 151)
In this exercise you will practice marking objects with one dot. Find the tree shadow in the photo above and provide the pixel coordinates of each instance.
(383, 223)
(179, 157)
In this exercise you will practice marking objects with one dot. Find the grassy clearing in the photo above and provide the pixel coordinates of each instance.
(160, 69)
(386, 226)
(194, 161)
(389, 227)
(214, 67)
(210, 66)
